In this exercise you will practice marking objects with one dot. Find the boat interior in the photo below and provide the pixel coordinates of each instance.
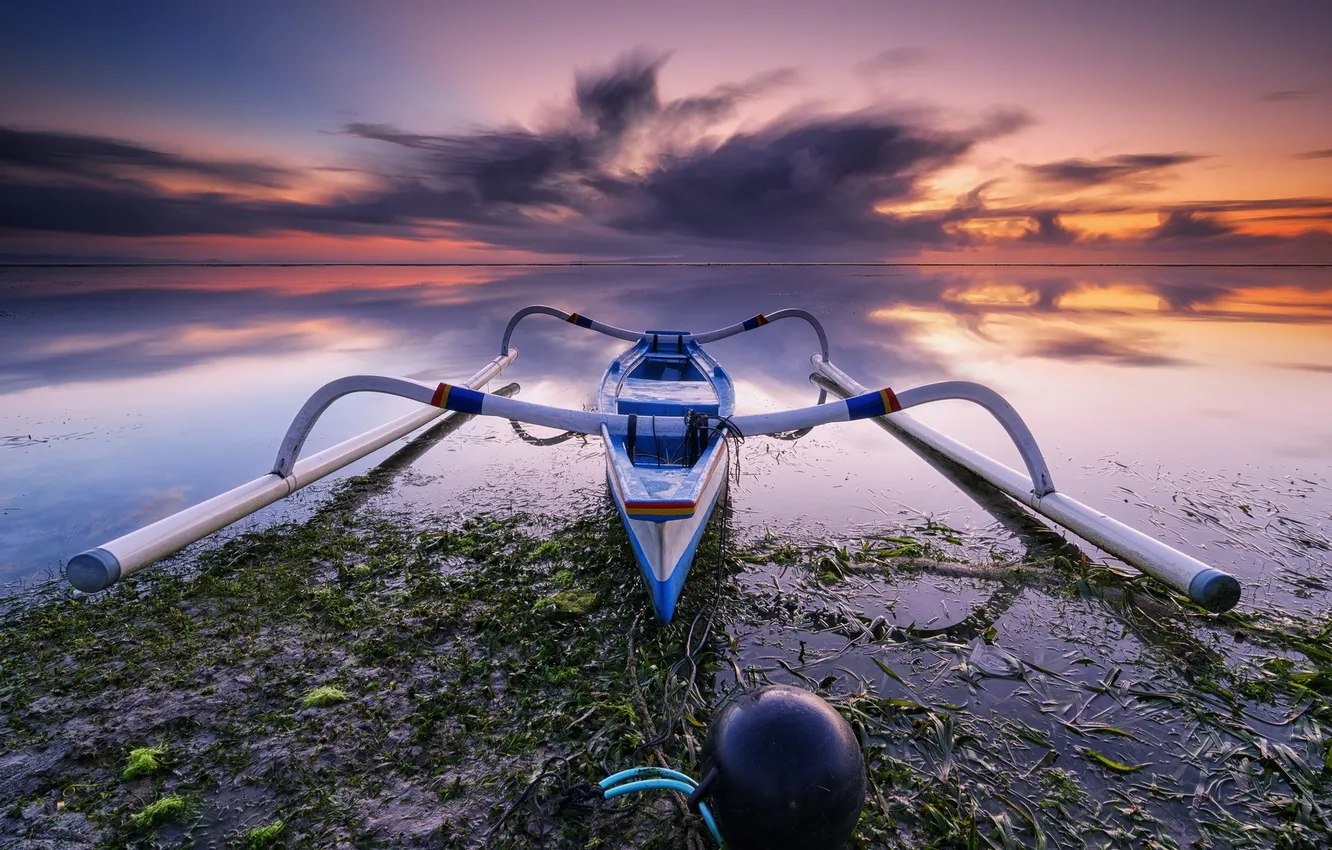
(665, 383)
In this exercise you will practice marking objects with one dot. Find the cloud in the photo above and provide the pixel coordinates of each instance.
(615, 100)
(1187, 224)
(144, 211)
(618, 168)
(892, 60)
(1256, 205)
(1326, 153)
(1085, 173)
(1285, 94)
(811, 180)
(69, 154)
(721, 102)
(386, 133)
(1049, 230)
(1306, 367)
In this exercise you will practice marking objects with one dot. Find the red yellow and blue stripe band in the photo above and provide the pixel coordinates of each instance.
(868, 405)
(757, 322)
(580, 321)
(671, 510)
(460, 399)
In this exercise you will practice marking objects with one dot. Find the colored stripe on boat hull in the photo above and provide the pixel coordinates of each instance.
(660, 510)
(665, 549)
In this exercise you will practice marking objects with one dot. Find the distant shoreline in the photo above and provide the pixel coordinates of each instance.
(654, 264)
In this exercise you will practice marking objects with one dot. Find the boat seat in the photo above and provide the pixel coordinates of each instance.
(665, 398)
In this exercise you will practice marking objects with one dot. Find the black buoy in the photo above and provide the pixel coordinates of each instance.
(782, 769)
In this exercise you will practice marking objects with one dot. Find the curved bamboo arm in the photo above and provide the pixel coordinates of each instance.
(571, 318)
(766, 319)
(289, 451)
(1001, 410)
(759, 321)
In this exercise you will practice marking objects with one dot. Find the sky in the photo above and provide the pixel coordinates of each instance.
(837, 131)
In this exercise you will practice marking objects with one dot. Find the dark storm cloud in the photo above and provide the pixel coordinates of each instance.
(620, 168)
(1084, 173)
(626, 95)
(135, 210)
(620, 171)
(808, 181)
(99, 157)
(122, 211)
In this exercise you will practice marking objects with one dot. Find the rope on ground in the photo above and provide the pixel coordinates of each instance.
(577, 794)
(695, 641)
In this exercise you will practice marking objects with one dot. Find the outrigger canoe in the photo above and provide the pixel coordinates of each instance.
(665, 486)
(664, 408)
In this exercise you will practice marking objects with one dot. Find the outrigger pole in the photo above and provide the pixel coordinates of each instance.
(98, 569)
(1204, 585)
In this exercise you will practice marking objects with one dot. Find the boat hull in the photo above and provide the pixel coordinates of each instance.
(665, 486)
(665, 548)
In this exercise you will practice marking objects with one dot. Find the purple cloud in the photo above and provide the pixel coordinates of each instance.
(1085, 173)
(1187, 224)
(75, 155)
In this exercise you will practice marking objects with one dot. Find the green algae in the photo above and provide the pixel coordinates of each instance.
(323, 696)
(262, 837)
(570, 601)
(171, 808)
(143, 761)
(478, 690)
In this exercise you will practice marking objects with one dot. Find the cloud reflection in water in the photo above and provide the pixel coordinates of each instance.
(210, 364)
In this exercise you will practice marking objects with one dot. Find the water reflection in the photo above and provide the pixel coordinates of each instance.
(1185, 399)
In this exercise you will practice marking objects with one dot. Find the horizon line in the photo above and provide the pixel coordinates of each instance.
(651, 264)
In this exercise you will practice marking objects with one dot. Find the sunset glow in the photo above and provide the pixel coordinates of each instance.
(191, 133)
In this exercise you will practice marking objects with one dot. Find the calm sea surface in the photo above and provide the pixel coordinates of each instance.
(1192, 402)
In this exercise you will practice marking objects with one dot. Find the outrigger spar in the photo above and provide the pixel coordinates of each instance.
(664, 408)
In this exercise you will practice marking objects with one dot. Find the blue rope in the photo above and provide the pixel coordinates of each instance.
(648, 772)
(650, 785)
(658, 779)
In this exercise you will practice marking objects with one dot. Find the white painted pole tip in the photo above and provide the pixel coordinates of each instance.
(93, 570)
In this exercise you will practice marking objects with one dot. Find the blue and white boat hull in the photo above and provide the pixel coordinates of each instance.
(665, 548)
(665, 485)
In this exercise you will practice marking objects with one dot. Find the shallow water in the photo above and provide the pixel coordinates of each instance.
(1189, 401)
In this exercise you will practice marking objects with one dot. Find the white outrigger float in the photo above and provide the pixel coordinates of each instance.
(664, 408)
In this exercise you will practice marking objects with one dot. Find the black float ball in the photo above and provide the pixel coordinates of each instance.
(783, 770)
